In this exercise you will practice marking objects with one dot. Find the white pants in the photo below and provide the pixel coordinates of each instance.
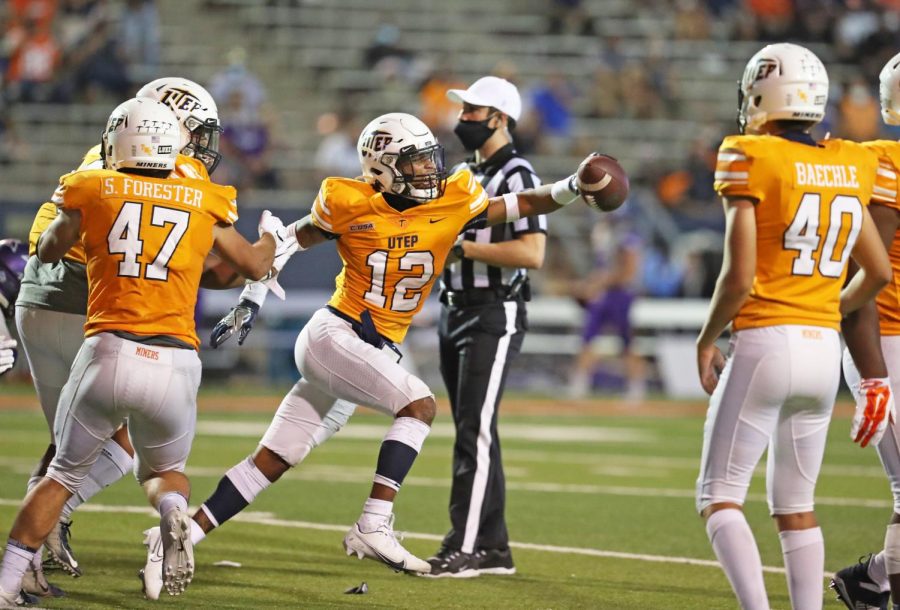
(777, 391)
(113, 378)
(50, 339)
(339, 371)
(889, 447)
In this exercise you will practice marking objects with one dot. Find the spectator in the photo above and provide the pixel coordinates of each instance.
(33, 65)
(551, 104)
(236, 76)
(860, 112)
(336, 154)
(246, 144)
(139, 40)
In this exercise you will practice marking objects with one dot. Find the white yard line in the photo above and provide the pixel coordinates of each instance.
(267, 519)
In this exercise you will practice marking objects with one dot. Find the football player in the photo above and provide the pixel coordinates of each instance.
(145, 239)
(876, 355)
(795, 211)
(13, 255)
(50, 311)
(394, 231)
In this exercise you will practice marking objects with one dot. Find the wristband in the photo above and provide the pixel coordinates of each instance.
(255, 292)
(292, 234)
(512, 207)
(564, 191)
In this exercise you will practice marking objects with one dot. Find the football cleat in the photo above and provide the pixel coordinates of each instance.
(151, 574)
(382, 544)
(178, 552)
(16, 600)
(448, 563)
(494, 561)
(35, 583)
(857, 590)
(58, 548)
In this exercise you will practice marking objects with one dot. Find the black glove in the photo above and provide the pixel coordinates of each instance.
(240, 317)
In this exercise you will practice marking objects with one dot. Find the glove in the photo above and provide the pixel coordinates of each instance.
(8, 354)
(285, 246)
(874, 409)
(240, 317)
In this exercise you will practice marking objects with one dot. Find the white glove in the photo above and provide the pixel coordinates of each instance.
(8, 354)
(285, 246)
(874, 410)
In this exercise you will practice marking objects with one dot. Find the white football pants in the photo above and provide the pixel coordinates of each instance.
(777, 391)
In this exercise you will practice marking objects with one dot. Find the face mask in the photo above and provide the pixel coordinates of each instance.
(473, 134)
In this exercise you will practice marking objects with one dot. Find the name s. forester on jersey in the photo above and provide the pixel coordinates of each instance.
(833, 176)
(124, 186)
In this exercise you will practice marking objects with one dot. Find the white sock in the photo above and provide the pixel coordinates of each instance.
(112, 464)
(734, 545)
(197, 533)
(804, 559)
(171, 501)
(878, 571)
(15, 561)
(375, 512)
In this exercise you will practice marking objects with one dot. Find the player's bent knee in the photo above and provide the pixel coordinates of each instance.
(423, 409)
(714, 507)
(795, 521)
(270, 464)
(69, 479)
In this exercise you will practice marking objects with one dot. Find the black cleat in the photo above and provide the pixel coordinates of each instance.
(494, 561)
(857, 590)
(449, 563)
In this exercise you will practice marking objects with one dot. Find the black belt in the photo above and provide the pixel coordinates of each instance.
(474, 297)
(365, 330)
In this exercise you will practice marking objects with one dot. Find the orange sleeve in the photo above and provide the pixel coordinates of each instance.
(223, 205)
(325, 214)
(46, 214)
(884, 191)
(75, 191)
(464, 185)
(734, 166)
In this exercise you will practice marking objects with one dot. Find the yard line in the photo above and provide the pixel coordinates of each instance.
(266, 519)
(522, 432)
(333, 473)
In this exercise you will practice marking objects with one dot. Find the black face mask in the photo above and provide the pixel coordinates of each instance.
(473, 134)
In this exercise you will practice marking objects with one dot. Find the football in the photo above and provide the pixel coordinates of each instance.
(602, 182)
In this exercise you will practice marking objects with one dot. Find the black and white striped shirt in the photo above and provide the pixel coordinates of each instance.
(505, 172)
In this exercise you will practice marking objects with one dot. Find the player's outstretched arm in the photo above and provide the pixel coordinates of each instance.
(59, 236)
(511, 207)
(732, 287)
(875, 268)
(253, 261)
(241, 317)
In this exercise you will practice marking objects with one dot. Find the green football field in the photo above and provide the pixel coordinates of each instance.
(600, 510)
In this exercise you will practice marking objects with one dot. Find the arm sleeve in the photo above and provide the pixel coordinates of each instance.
(885, 189)
(224, 210)
(74, 191)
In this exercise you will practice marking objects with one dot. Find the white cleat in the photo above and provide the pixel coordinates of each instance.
(58, 548)
(35, 583)
(383, 545)
(16, 600)
(151, 574)
(178, 552)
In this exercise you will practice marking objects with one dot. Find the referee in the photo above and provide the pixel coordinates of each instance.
(483, 322)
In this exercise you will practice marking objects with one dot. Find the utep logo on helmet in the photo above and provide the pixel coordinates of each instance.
(764, 68)
(180, 99)
(378, 141)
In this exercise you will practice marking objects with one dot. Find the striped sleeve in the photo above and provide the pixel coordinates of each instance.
(321, 212)
(884, 191)
(733, 167)
(225, 208)
(521, 180)
(477, 196)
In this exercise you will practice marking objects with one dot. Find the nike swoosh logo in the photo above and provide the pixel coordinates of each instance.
(432, 220)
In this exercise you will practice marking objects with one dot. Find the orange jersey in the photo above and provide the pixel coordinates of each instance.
(886, 194)
(392, 258)
(185, 167)
(809, 212)
(146, 240)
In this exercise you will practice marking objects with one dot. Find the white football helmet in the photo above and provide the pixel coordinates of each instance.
(890, 91)
(400, 155)
(197, 111)
(141, 133)
(783, 81)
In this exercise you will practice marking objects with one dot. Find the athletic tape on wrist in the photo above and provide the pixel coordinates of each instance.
(512, 207)
(562, 192)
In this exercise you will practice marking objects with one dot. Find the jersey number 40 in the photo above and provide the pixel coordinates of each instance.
(844, 223)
